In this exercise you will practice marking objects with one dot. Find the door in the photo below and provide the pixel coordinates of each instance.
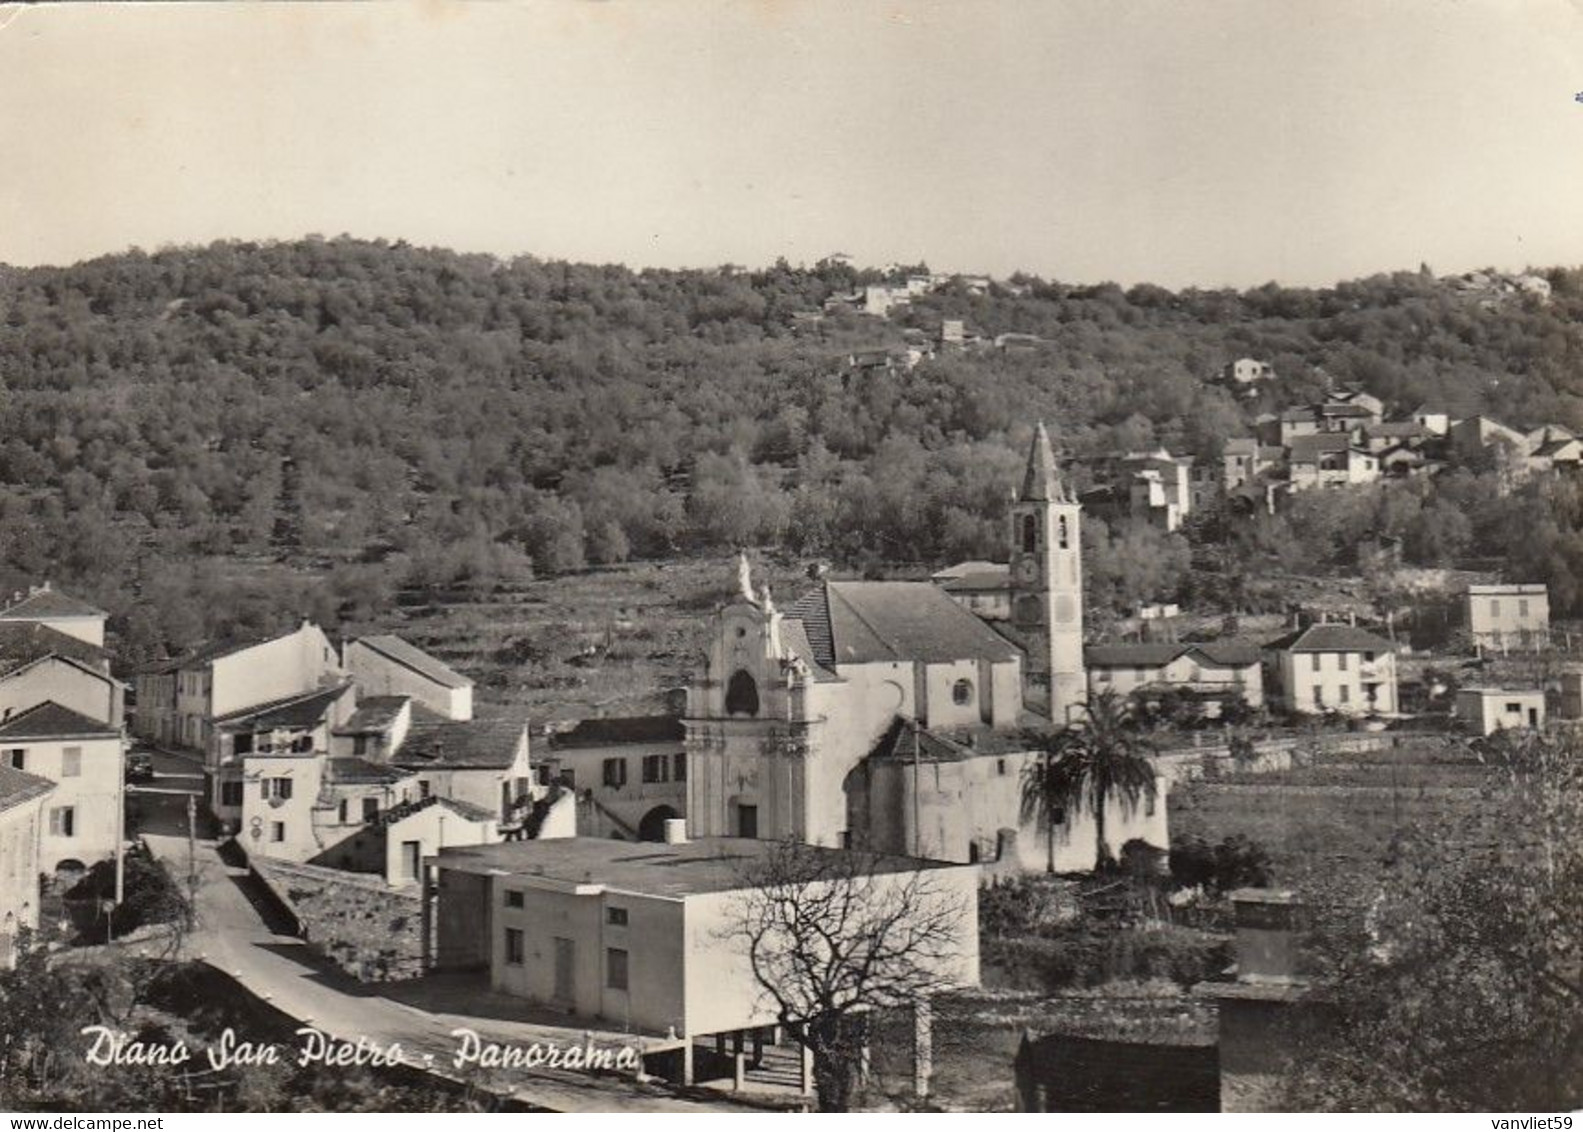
(747, 821)
(565, 973)
(1533, 717)
(411, 859)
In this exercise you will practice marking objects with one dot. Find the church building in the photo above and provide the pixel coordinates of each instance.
(888, 715)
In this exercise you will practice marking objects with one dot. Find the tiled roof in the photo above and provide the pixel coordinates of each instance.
(212, 652)
(1334, 410)
(1332, 638)
(351, 771)
(437, 743)
(18, 786)
(1131, 655)
(47, 604)
(305, 709)
(23, 642)
(904, 740)
(414, 658)
(400, 813)
(1397, 428)
(49, 720)
(628, 729)
(862, 622)
(375, 714)
(794, 635)
(1228, 654)
(971, 566)
(1308, 447)
(980, 581)
(1231, 653)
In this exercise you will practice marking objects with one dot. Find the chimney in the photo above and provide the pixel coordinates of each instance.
(676, 831)
(1270, 923)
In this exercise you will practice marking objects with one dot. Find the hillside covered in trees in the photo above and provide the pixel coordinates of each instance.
(402, 417)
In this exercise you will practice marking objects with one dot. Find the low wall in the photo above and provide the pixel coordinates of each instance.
(371, 931)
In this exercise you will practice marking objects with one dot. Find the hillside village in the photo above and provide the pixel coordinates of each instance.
(408, 827)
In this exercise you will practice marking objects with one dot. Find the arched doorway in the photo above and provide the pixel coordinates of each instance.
(652, 827)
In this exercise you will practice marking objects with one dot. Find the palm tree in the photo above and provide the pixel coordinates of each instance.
(1087, 766)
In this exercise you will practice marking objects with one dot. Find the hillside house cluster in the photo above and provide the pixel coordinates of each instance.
(367, 759)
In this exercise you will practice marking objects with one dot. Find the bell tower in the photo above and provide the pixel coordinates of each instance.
(1047, 583)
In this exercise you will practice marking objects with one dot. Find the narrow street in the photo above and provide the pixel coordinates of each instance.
(236, 933)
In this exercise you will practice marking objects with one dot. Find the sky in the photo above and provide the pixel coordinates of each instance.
(1182, 142)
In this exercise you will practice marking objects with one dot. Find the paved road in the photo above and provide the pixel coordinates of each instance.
(235, 936)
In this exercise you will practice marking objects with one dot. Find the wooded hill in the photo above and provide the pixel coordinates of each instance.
(415, 417)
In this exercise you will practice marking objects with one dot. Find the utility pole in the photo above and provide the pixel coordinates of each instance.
(120, 825)
(192, 852)
(917, 785)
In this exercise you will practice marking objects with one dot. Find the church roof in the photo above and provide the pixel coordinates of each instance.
(905, 740)
(864, 622)
(1042, 481)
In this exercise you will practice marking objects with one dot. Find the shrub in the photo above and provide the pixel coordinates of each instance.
(1235, 862)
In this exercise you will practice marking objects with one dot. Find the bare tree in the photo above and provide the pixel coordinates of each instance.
(834, 935)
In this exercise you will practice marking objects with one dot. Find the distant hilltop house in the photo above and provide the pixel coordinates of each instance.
(1155, 487)
(1247, 371)
(1490, 288)
(1508, 615)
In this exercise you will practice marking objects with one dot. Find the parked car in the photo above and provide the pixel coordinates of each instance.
(139, 768)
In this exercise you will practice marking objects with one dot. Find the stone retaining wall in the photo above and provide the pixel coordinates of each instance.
(366, 928)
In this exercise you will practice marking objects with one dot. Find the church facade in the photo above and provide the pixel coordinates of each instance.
(888, 715)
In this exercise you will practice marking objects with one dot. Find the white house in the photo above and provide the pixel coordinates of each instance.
(38, 663)
(301, 806)
(1339, 668)
(178, 702)
(1216, 671)
(386, 665)
(299, 724)
(484, 762)
(84, 758)
(629, 774)
(1488, 710)
(1508, 615)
